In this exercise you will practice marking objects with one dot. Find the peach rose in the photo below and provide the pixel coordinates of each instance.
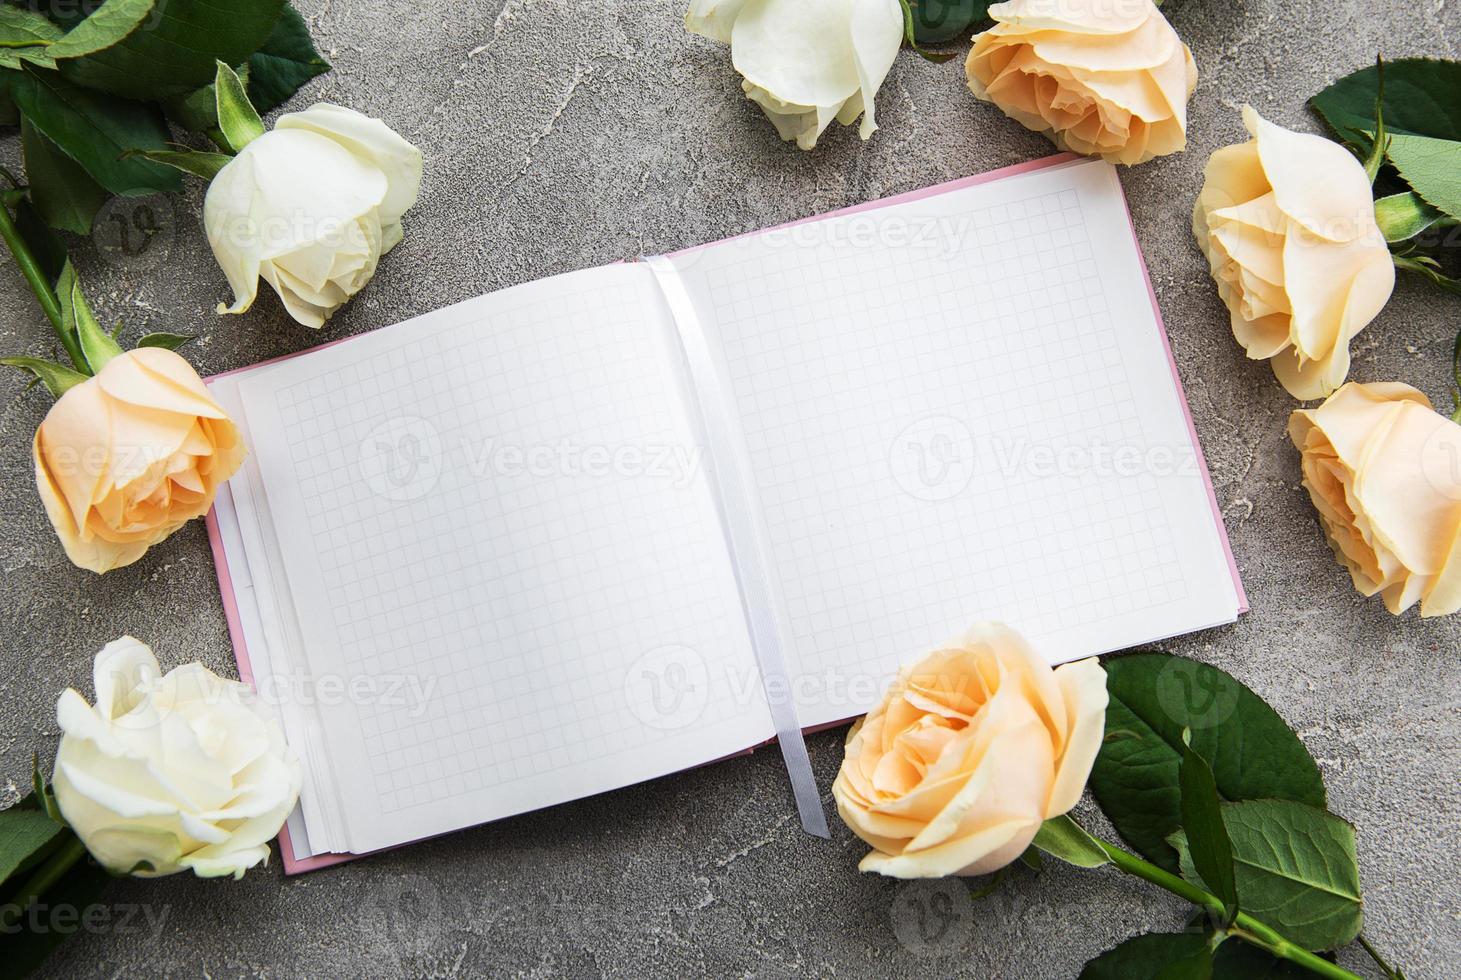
(970, 751)
(1384, 472)
(1288, 226)
(125, 458)
(1109, 78)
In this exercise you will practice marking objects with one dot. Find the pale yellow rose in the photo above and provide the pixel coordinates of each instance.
(1384, 472)
(1287, 222)
(970, 751)
(171, 772)
(124, 459)
(1108, 78)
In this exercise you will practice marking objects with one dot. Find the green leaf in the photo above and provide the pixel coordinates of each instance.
(44, 243)
(936, 21)
(237, 118)
(1063, 838)
(1296, 870)
(95, 130)
(150, 49)
(17, 27)
(64, 194)
(96, 343)
(23, 832)
(1154, 956)
(287, 60)
(78, 888)
(1211, 851)
(1239, 961)
(1422, 98)
(199, 163)
(1252, 752)
(1432, 167)
(1403, 216)
(910, 37)
(57, 377)
(171, 341)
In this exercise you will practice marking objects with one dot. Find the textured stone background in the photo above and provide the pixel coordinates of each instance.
(560, 134)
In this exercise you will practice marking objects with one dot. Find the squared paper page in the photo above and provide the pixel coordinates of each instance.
(496, 512)
(958, 408)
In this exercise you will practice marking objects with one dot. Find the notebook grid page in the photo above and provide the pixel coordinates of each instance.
(940, 435)
(508, 518)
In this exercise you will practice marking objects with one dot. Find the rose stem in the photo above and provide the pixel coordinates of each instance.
(43, 879)
(1245, 927)
(39, 285)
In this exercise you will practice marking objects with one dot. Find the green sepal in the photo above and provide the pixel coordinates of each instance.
(1063, 838)
(1403, 216)
(237, 119)
(96, 343)
(169, 341)
(199, 163)
(58, 378)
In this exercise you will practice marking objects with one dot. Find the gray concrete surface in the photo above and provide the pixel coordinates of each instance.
(560, 134)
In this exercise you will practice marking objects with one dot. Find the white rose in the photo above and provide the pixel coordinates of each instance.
(171, 772)
(807, 62)
(311, 207)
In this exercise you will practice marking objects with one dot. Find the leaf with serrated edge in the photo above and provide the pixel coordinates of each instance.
(170, 50)
(1432, 168)
(18, 26)
(1296, 870)
(1253, 753)
(287, 60)
(1422, 98)
(95, 129)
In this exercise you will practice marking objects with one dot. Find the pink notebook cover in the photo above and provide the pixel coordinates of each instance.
(297, 865)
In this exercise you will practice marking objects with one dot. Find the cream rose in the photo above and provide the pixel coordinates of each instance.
(1108, 78)
(311, 206)
(970, 751)
(127, 457)
(807, 62)
(1384, 471)
(171, 772)
(1288, 226)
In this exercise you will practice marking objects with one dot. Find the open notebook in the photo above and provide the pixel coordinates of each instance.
(602, 527)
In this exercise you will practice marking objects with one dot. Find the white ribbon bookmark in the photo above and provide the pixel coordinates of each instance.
(747, 556)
